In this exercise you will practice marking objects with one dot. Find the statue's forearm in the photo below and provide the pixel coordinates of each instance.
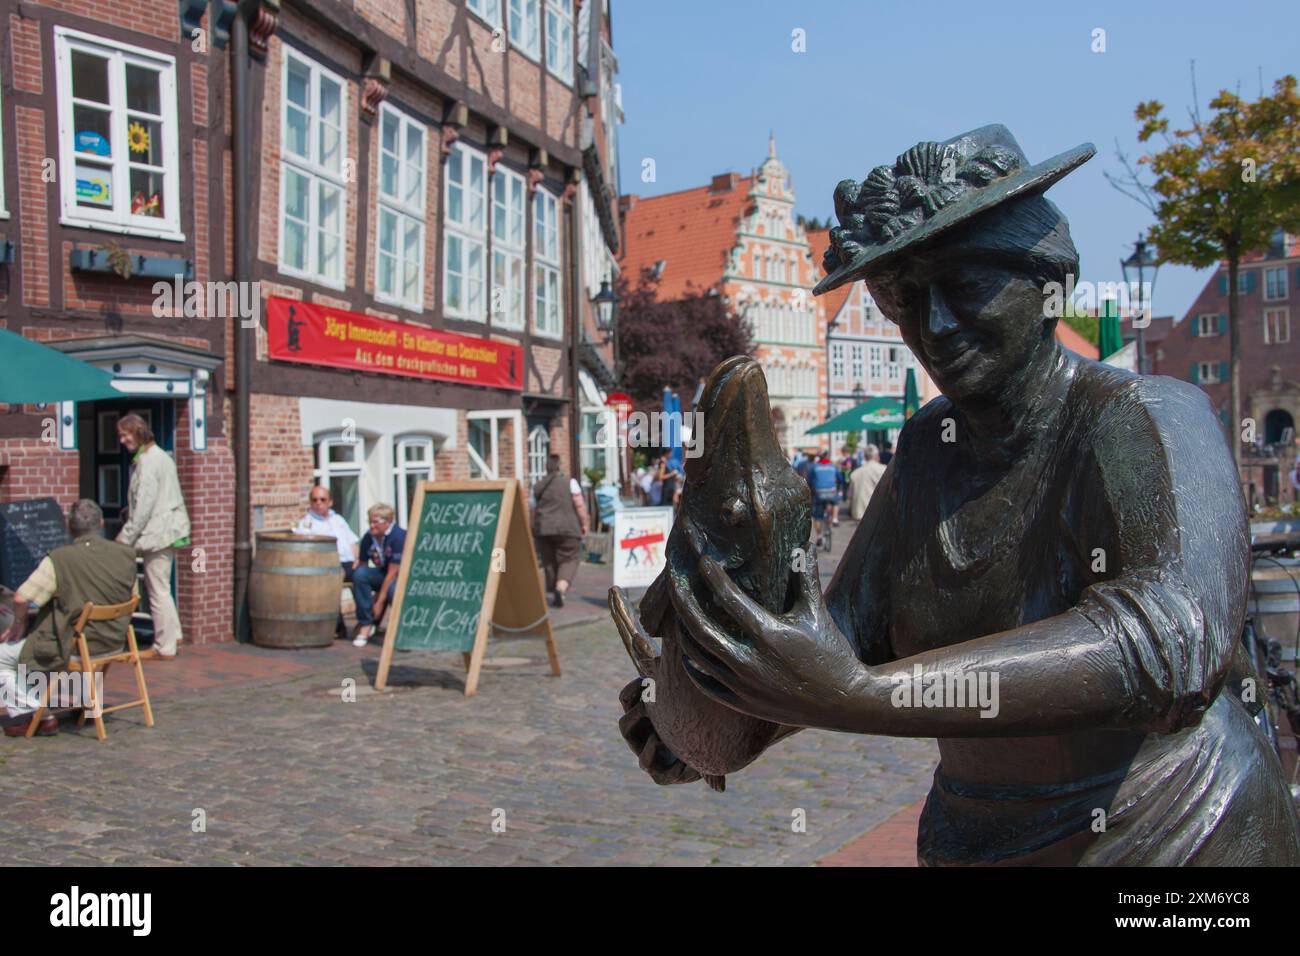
(1054, 676)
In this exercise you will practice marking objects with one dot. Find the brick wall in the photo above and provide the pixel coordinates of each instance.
(205, 570)
(36, 469)
(281, 466)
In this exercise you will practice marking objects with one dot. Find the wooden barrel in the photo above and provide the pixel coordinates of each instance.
(293, 593)
(1275, 600)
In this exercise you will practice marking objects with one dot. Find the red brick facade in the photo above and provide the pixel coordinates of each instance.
(447, 69)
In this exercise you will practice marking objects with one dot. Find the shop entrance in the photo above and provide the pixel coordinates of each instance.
(105, 470)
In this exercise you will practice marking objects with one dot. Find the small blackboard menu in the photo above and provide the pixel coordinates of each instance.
(468, 564)
(29, 530)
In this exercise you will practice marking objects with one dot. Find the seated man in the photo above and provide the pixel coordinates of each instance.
(322, 519)
(375, 572)
(91, 568)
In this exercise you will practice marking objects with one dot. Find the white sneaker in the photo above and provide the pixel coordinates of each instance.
(363, 637)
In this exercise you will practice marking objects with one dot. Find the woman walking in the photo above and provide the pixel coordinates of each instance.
(559, 524)
(156, 525)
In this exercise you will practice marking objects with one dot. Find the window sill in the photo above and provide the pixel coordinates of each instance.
(552, 336)
(566, 80)
(169, 234)
(398, 304)
(534, 57)
(333, 284)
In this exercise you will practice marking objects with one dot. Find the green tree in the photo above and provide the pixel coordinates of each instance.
(1221, 188)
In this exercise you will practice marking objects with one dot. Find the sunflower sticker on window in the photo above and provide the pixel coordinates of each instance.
(138, 138)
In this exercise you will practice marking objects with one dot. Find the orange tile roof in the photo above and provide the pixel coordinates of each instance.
(692, 231)
(1075, 342)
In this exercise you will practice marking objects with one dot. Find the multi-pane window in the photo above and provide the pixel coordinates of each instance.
(546, 264)
(413, 464)
(856, 353)
(1277, 326)
(464, 260)
(559, 38)
(1207, 325)
(875, 363)
(539, 447)
(339, 463)
(1275, 283)
(525, 27)
(489, 10)
(117, 136)
(837, 361)
(399, 225)
(1207, 373)
(509, 202)
(313, 151)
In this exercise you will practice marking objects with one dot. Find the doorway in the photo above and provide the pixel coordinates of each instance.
(105, 471)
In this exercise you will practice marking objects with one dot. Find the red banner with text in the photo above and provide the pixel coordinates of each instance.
(321, 335)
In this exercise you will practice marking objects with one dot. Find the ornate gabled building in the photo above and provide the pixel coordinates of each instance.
(738, 237)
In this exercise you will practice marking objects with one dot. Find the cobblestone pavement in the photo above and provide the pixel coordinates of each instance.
(286, 772)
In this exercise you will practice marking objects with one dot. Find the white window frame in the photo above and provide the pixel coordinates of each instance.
(547, 281)
(539, 448)
(492, 470)
(355, 468)
(508, 250)
(837, 360)
(403, 469)
(559, 40)
(318, 176)
(1207, 325)
(1269, 275)
(1282, 333)
(525, 27)
(467, 232)
(1207, 373)
(118, 219)
(403, 211)
(489, 11)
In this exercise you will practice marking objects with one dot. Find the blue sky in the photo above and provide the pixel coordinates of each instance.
(704, 81)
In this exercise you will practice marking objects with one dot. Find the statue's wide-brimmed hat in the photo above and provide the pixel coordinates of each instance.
(930, 189)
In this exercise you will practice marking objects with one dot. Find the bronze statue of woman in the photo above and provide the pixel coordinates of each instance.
(1064, 534)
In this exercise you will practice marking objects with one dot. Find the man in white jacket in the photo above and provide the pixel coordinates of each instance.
(156, 525)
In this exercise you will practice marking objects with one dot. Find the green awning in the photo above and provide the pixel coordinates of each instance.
(873, 413)
(31, 373)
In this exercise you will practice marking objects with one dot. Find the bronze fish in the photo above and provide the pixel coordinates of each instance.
(746, 507)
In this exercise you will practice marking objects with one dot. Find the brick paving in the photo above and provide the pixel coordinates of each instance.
(286, 772)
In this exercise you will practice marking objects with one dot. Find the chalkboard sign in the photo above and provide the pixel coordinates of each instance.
(28, 531)
(468, 564)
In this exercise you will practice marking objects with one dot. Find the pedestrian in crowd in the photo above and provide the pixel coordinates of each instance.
(886, 452)
(824, 478)
(91, 568)
(156, 525)
(1295, 481)
(559, 525)
(863, 481)
(669, 479)
(805, 465)
(322, 519)
(374, 574)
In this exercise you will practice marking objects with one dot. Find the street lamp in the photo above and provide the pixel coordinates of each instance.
(605, 302)
(1136, 266)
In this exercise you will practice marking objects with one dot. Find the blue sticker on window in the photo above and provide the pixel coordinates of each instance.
(88, 141)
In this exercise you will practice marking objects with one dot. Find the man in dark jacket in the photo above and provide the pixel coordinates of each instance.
(559, 525)
(91, 568)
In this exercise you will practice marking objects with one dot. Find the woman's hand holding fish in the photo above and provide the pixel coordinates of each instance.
(795, 668)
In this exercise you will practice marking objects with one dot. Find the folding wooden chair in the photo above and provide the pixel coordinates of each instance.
(84, 663)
